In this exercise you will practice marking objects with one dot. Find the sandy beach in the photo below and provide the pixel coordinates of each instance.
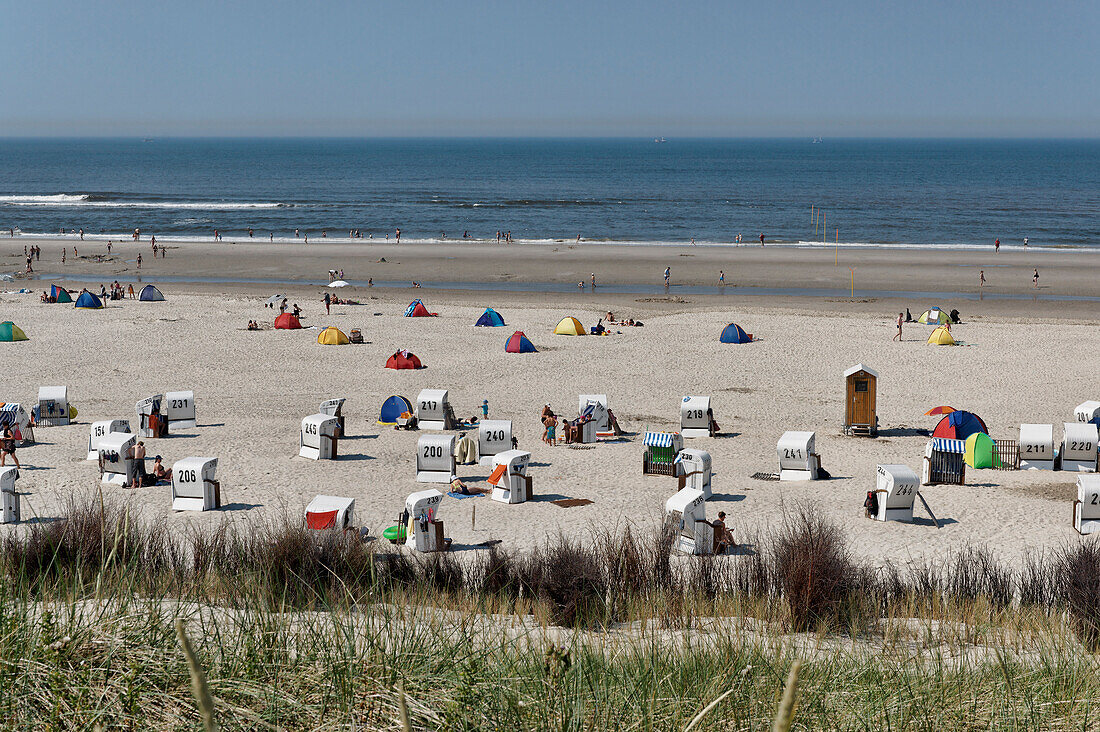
(1025, 360)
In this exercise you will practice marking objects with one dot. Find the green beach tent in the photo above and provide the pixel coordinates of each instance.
(981, 452)
(9, 332)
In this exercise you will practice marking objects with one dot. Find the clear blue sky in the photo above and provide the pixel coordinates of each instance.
(558, 68)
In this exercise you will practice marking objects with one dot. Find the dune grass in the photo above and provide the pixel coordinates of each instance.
(300, 630)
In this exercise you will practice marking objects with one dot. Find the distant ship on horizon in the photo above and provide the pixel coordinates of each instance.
(816, 140)
(659, 139)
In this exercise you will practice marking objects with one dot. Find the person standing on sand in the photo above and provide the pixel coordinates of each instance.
(130, 290)
(593, 281)
(996, 245)
(1025, 241)
(63, 255)
(981, 278)
(668, 275)
(108, 247)
(761, 240)
(721, 278)
(901, 317)
(1035, 279)
(399, 236)
(328, 303)
(139, 260)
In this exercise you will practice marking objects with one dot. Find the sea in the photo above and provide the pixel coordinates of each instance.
(797, 192)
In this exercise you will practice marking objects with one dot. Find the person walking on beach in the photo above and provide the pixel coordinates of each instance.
(1025, 241)
(328, 302)
(981, 278)
(108, 247)
(901, 318)
(139, 260)
(7, 447)
(593, 281)
(63, 251)
(399, 236)
(996, 245)
(1035, 279)
(130, 290)
(761, 240)
(721, 278)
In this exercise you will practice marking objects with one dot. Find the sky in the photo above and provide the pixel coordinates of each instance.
(574, 69)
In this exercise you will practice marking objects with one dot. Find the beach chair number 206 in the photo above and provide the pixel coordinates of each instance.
(188, 476)
(433, 451)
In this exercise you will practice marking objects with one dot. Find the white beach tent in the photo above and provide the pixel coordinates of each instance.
(338, 283)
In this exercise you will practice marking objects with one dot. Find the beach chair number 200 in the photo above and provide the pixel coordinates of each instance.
(433, 451)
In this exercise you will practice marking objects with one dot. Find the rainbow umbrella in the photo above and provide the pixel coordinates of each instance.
(934, 411)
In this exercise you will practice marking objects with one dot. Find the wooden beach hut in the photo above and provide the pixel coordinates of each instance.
(860, 415)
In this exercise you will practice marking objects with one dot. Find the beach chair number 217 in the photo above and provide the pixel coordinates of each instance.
(429, 405)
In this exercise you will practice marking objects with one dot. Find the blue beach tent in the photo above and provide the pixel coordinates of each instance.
(734, 333)
(518, 343)
(150, 293)
(490, 319)
(88, 300)
(392, 408)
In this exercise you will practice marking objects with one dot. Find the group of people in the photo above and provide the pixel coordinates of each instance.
(570, 429)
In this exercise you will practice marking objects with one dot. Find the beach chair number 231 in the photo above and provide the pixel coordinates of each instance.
(178, 404)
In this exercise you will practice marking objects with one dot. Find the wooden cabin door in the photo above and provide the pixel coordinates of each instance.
(861, 413)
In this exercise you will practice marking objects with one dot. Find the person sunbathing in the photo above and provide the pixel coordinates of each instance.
(159, 471)
(457, 486)
(723, 537)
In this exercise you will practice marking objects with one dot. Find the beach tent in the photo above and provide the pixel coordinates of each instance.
(959, 425)
(338, 283)
(332, 336)
(60, 294)
(10, 332)
(150, 293)
(734, 333)
(416, 309)
(518, 343)
(393, 408)
(981, 452)
(89, 301)
(490, 319)
(286, 321)
(403, 360)
(941, 337)
(934, 316)
(569, 326)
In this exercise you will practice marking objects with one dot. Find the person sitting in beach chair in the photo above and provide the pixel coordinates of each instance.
(723, 537)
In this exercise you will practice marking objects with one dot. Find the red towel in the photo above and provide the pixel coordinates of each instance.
(321, 519)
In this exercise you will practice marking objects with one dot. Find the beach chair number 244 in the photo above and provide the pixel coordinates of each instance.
(905, 490)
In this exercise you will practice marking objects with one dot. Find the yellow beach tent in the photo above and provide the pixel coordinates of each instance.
(332, 336)
(933, 316)
(569, 326)
(981, 452)
(941, 337)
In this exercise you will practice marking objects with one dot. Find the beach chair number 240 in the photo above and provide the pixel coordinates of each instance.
(494, 435)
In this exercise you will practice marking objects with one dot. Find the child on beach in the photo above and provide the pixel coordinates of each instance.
(901, 316)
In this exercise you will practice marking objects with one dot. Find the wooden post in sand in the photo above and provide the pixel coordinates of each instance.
(836, 249)
(853, 282)
(824, 217)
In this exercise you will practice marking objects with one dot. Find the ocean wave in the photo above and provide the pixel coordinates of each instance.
(98, 201)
